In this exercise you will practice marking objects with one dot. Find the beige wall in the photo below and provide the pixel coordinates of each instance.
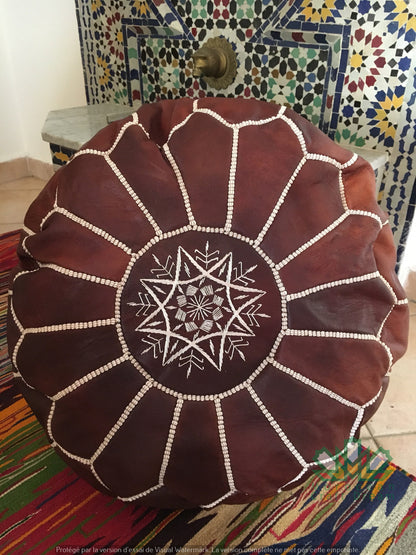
(40, 70)
(407, 273)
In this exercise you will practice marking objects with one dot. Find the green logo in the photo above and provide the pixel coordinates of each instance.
(354, 463)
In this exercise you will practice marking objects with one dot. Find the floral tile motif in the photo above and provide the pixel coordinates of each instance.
(383, 115)
(165, 70)
(304, 89)
(204, 17)
(326, 11)
(366, 62)
(103, 50)
(400, 18)
(346, 65)
(139, 8)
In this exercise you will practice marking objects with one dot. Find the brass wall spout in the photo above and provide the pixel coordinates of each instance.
(216, 63)
(209, 62)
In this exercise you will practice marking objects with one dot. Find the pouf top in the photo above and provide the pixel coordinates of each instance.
(205, 299)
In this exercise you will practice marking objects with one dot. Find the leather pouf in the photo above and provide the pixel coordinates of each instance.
(206, 298)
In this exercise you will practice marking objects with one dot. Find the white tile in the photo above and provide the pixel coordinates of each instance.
(23, 184)
(402, 450)
(365, 433)
(397, 413)
(14, 204)
(369, 443)
(411, 347)
(12, 226)
(13, 169)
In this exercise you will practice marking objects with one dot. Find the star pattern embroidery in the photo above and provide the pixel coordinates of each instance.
(198, 309)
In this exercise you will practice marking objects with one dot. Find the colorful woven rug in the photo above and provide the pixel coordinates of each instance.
(366, 505)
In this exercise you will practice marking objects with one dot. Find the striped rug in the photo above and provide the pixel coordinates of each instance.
(367, 505)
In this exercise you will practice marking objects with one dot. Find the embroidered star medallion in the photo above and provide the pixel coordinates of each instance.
(201, 311)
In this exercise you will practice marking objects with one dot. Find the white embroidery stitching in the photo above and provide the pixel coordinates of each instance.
(199, 305)
(181, 184)
(224, 446)
(231, 181)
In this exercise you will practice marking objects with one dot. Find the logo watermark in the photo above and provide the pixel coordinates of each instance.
(354, 463)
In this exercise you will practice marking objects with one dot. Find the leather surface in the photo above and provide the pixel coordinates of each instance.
(206, 298)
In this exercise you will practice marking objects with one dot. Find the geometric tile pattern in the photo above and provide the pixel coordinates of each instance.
(346, 65)
(60, 154)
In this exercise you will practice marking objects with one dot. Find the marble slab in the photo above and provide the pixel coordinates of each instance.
(73, 127)
(376, 158)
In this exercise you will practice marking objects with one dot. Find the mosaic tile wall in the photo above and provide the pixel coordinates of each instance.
(349, 66)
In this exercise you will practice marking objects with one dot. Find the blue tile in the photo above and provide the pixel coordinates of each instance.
(412, 199)
(410, 213)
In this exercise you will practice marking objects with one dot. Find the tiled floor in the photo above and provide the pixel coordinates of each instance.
(15, 198)
(394, 425)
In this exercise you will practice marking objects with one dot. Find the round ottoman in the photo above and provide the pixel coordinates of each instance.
(205, 300)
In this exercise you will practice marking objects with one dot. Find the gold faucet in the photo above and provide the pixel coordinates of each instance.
(209, 62)
(216, 63)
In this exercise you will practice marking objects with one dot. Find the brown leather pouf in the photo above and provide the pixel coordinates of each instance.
(206, 298)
